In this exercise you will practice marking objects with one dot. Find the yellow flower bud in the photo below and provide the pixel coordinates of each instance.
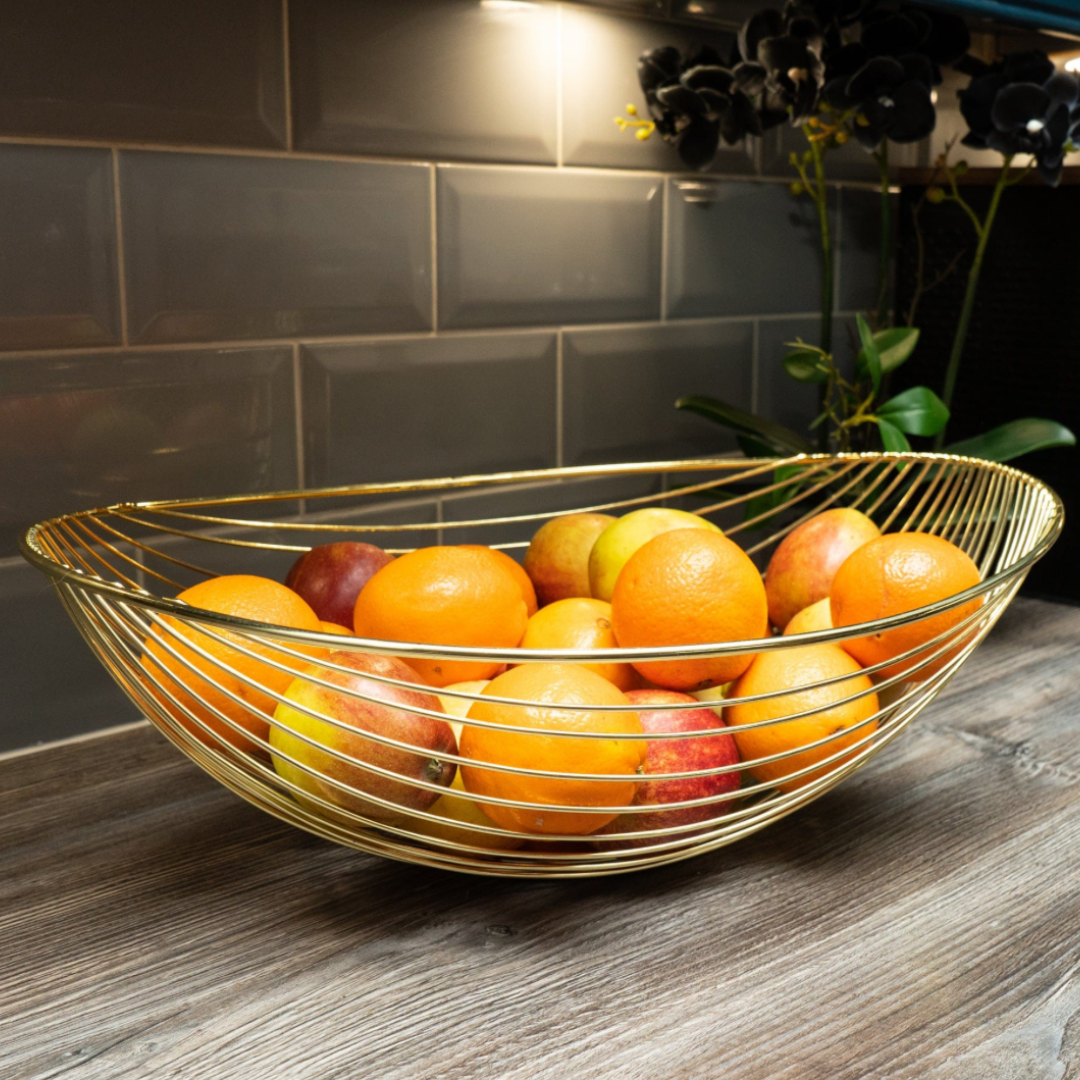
(935, 195)
(632, 110)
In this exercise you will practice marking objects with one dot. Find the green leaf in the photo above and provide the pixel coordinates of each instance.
(1014, 439)
(894, 346)
(892, 438)
(783, 440)
(918, 411)
(870, 351)
(770, 500)
(752, 447)
(806, 366)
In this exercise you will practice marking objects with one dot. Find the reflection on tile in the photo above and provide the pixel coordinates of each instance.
(405, 410)
(58, 283)
(425, 78)
(196, 72)
(600, 52)
(739, 248)
(54, 687)
(219, 247)
(621, 387)
(727, 13)
(537, 502)
(78, 431)
(533, 246)
(859, 276)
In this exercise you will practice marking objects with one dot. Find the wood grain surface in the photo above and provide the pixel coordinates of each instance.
(920, 921)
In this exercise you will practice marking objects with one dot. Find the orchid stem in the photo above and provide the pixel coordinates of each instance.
(821, 203)
(982, 231)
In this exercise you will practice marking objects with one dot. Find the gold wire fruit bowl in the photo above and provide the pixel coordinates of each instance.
(118, 570)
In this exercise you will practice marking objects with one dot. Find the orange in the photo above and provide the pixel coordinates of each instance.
(444, 596)
(689, 587)
(247, 597)
(897, 573)
(579, 623)
(815, 617)
(334, 628)
(797, 668)
(528, 591)
(544, 685)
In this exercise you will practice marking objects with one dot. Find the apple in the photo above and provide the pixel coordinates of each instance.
(557, 560)
(330, 577)
(802, 568)
(458, 814)
(675, 755)
(431, 737)
(815, 617)
(623, 537)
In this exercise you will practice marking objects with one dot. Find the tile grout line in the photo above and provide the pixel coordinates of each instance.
(243, 344)
(665, 225)
(376, 159)
(434, 251)
(287, 74)
(120, 269)
(560, 159)
(559, 395)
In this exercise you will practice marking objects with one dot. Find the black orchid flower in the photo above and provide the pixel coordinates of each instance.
(891, 98)
(781, 54)
(694, 102)
(1021, 105)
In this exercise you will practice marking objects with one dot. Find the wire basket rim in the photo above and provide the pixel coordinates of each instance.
(31, 551)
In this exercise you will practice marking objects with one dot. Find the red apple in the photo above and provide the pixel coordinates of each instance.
(429, 737)
(558, 557)
(802, 567)
(331, 576)
(676, 755)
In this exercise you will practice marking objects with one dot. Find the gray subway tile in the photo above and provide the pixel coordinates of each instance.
(600, 53)
(417, 408)
(54, 687)
(737, 248)
(58, 279)
(425, 78)
(197, 72)
(220, 247)
(79, 431)
(535, 503)
(620, 388)
(535, 246)
(859, 275)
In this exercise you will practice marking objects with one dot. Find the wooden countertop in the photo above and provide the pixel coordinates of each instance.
(920, 921)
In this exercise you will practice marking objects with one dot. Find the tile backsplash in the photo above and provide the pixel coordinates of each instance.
(268, 244)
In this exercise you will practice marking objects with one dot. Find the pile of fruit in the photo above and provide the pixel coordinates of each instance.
(379, 735)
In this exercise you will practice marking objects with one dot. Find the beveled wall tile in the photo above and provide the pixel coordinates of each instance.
(437, 79)
(79, 431)
(424, 407)
(220, 247)
(738, 248)
(535, 246)
(620, 388)
(779, 397)
(847, 162)
(58, 280)
(859, 275)
(600, 53)
(54, 686)
(200, 71)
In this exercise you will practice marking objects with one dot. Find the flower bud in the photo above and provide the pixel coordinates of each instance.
(797, 187)
(841, 137)
(960, 168)
(935, 195)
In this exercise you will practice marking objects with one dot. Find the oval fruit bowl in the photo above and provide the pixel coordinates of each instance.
(602, 734)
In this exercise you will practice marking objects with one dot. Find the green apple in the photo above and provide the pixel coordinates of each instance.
(623, 537)
(558, 557)
(457, 708)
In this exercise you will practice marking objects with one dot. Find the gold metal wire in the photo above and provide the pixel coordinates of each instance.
(111, 565)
